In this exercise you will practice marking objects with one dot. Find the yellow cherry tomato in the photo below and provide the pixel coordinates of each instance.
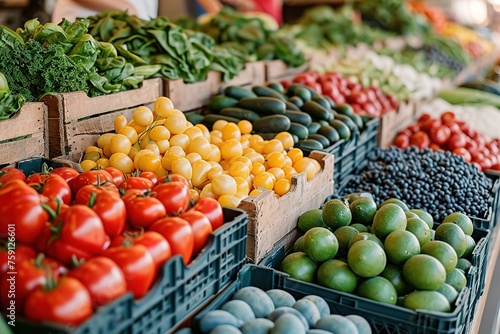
(176, 124)
(277, 172)
(224, 164)
(207, 192)
(282, 186)
(133, 150)
(259, 146)
(274, 145)
(265, 180)
(245, 127)
(159, 132)
(142, 116)
(257, 168)
(242, 187)
(215, 154)
(119, 144)
(102, 163)
(317, 165)
(138, 128)
(295, 154)
(229, 201)
(200, 172)
(275, 159)
(181, 140)
(231, 131)
(94, 156)
(288, 169)
(289, 176)
(162, 105)
(93, 148)
(107, 151)
(216, 133)
(130, 132)
(88, 165)
(177, 150)
(243, 159)
(224, 185)
(120, 122)
(219, 125)
(230, 149)
(240, 169)
(163, 145)
(122, 162)
(255, 139)
(248, 150)
(183, 167)
(194, 195)
(288, 161)
(104, 139)
(307, 166)
(214, 171)
(255, 192)
(153, 147)
(244, 143)
(161, 171)
(166, 160)
(202, 146)
(193, 132)
(193, 157)
(286, 139)
(204, 130)
(217, 141)
(148, 162)
(255, 157)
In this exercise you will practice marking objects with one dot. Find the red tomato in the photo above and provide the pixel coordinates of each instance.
(22, 215)
(142, 211)
(12, 252)
(316, 86)
(463, 153)
(286, 83)
(79, 232)
(486, 164)
(96, 177)
(201, 229)
(496, 166)
(435, 147)
(136, 264)
(83, 195)
(40, 244)
(67, 302)
(103, 279)
(136, 182)
(456, 140)
(51, 186)
(448, 117)
(420, 139)
(423, 118)
(179, 235)
(110, 207)
(413, 128)
(212, 209)
(173, 178)
(157, 246)
(116, 174)
(150, 176)
(11, 173)
(67, 173)
(402, 141)
(358, 97)
(174, 196)
(429, 124)
(471, 145)
(440, 134)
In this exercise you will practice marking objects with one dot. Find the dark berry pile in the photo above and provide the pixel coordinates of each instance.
(438, 182)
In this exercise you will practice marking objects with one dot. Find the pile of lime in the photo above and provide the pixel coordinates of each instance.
(390, 253)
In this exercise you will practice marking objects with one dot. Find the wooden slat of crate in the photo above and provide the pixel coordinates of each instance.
(270, 219)
(253, 74)
(277, 70)
(76, 120)
(190, 96)
(30, 122)
(394, 121)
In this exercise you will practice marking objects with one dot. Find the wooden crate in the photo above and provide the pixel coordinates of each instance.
(394, 121)
(76, 120)
(271, 219)
(253, 74)
(24, 135)
(277, 70)
(191, 96)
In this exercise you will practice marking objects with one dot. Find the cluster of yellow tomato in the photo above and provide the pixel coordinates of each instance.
(227, 163)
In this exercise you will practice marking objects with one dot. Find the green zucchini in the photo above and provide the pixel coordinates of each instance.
(317, 111)
(348, 121)
(322, 139)
(342, 129)
(313, 127)
(330, 133)
(292, 106)
(269, 92)
(291, 89)
(238, 93)
(273, 123)
(299, 130)
(308, 144)
(277, 87)
(263, 105)
(240, 113)
(298, 117)
(219, 102)
(322, 101)
(297, 101)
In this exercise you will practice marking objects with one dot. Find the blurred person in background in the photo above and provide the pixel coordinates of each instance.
(270, 7)
(71, 9)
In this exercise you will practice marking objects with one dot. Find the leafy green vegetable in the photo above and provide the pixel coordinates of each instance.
(9, 103)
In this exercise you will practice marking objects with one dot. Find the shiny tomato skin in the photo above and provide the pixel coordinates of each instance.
(402, 141)
(420, 139)
(22, 252)
(174, 196)
(136, 182)
(67, 173)
(110, 207)
(157, 246)
(150, 176)
(201, 229)
(11, 173)
(95, 177)
(179, 235)
(116, 174)
(173, 178)
(212, 210)
(51, 186)
(440, 134)
(68, 303)
(142, 211)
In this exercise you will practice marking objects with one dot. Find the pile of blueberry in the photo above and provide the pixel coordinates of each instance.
(438, 182)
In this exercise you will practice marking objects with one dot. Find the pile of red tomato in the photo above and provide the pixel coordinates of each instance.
(449, 133)
(366, 101)
(83, 240)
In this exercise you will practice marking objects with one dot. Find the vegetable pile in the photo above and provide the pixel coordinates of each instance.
(98, 235)
(9, 103)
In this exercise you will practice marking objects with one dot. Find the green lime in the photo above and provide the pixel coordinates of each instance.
(360, 227)
(299, 266)
(310, 219)
(337, 275)
(424, 272)
(320, 244)
(433, 234)
(379, 289)
(394, 274)
(443, 252)
(410, 214)
(427, 300)
(363, 209)
(461, 220)
(453, 235)
(471, 244)
(449, 292)
(365, 236)
(396, 201)
(94, 156)
(456, 278)
(336, 214)
(463, 264)
(344, 235)
(298, 245)
(388, 218)
(366, 258)
(425, 216)
(399, 246)
(420, 229)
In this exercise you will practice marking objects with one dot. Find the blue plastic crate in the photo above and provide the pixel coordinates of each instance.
(178, 291)
(383, 318)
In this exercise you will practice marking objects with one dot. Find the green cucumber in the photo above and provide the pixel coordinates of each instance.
(219, 102)
(267, 135)
(194, 117)
(322, 101)
(297, 101)
(240, 113)
(308, 144)
(322, 139)
(298, 117)
(273, 123)
(291, 106)
(344, 108)
(317, 111)
(291, 89)
(238, 93)
(304, 94)
(313, 127)
(299, 130)
(269, 92)
(330, 133)
(348, 121)
(210, 119)
(330, 101)
(342, 129)
(263, 105)
(277, 87)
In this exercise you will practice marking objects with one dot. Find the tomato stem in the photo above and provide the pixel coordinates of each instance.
(92, 198)
(52, 214)
(39, 260)
(50, 283)
(75, 262)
